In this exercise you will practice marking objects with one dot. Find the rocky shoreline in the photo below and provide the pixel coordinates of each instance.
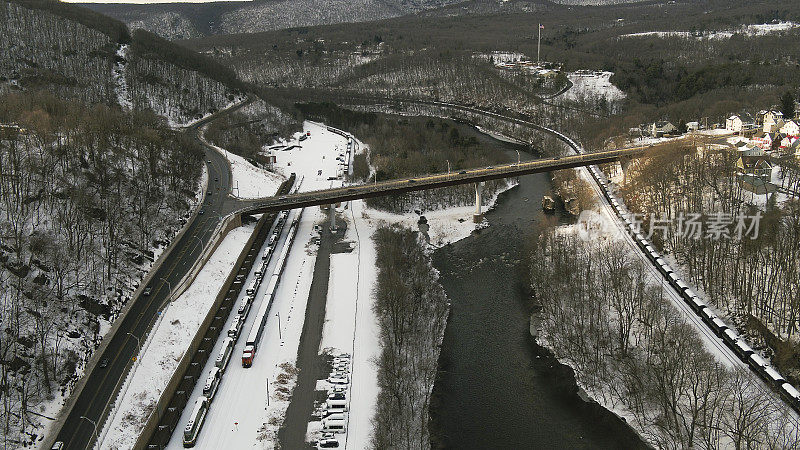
(562, 377)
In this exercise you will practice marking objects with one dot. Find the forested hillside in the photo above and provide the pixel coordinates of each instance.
(754, 284)
(721, 59)
(88, 194)
(94, 59)
(44, 51)
(174, 21)
(250, 129)
(95, 183)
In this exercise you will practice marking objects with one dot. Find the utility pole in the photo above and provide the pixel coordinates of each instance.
(539, 44)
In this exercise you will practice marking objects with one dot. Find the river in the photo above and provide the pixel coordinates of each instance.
(496, 388)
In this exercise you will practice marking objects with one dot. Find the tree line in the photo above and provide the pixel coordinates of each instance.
(412, 308)
(86, 194)
(405, 147)
(250, 129)
(752, 280)
(631, 349)
(74, 52)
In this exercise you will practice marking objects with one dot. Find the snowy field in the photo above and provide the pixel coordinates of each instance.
(595, 84)
(314, 158)
(746, 30)
(166, 344)
(240, 418)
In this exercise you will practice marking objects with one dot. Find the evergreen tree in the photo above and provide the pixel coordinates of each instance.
(787, 105)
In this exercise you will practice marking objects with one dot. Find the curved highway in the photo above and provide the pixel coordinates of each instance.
(92, 400)
(93, 396)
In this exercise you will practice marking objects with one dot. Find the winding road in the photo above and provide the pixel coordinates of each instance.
(93, 397)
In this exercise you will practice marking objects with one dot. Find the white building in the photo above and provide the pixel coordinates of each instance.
(734, 123)
(791, 128)
(771, 119)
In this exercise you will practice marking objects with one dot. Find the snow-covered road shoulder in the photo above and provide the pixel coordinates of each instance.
(247, 180)
(167, 342)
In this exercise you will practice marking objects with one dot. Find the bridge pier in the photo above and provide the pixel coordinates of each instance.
(332, 212)
(624, 163)
(478, 216)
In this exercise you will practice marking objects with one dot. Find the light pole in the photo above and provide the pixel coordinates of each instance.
(199, 241)
(169, 285)
(138, 347)
(280, 335)
(94, 425)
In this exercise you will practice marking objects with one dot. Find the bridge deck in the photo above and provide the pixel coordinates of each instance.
(432, 181)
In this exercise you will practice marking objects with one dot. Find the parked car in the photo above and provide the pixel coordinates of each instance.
(327, 443)
(337, 396)
(337, 378)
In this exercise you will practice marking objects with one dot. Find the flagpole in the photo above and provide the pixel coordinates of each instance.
(539, 44)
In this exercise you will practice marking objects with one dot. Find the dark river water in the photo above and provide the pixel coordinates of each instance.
(496, 388)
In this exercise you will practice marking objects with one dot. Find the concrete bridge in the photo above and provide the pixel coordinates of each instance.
(432, 181)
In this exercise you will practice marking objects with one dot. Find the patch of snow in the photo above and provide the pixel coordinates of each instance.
(248, 181)
(715, 132)
(119, 79)
(446, 225)
(592, 84)
(166, 344)
(746, 30)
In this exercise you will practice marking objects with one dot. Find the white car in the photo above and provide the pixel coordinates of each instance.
(327, 443)
(338, 378)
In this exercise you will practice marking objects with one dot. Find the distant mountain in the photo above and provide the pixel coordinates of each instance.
(596, 2)
(180, 21)
(77, 53)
